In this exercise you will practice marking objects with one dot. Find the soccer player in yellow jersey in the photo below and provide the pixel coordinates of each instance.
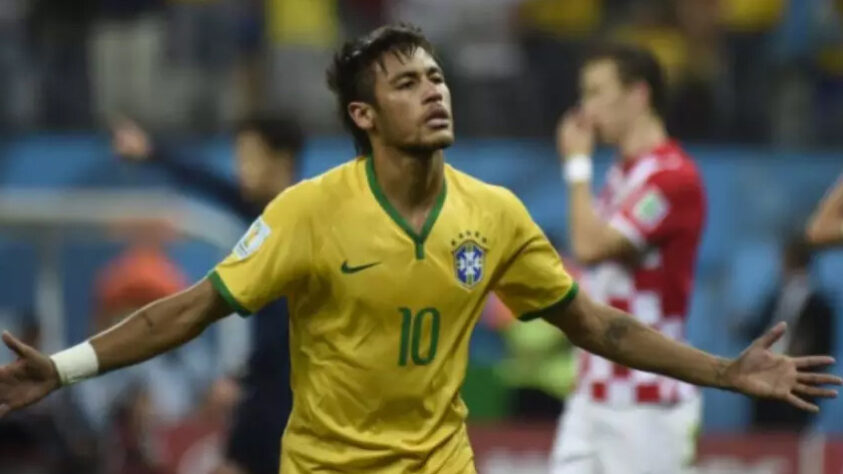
(386, 262)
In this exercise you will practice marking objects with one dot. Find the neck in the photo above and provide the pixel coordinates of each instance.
(411, 181)
(643, 136)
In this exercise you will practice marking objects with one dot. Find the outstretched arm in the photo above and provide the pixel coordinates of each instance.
(826, 225)
(155, 329)
(758, 372)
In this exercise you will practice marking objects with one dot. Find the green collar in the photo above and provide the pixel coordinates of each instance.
(380, 196)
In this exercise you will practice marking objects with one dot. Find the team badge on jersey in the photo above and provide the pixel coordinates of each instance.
(651, 208)
(469, 263)
(253, 239)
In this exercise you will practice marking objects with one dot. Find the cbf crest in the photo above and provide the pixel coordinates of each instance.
(469, 258)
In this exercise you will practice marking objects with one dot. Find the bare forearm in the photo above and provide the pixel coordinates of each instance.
(617, 336)
(592, 239)
(157, 328)
(584, 225)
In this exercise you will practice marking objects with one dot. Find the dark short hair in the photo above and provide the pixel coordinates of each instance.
(280, 133)
(634, 64)
(351, 77)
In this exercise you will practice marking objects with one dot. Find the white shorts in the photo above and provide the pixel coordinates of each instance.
(593, 438)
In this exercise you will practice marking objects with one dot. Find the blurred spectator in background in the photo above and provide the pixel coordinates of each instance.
(138, 276)
(553, 35)
(360, 16)
(17, 91)
(826, 226)
(827, 30)
(126, 58)
(267, 151)
(60, 30)
(195, 446)
(301, 36)
(696, 105)
(749, 28)
(203, 47)
(131, 446)
(798, 302)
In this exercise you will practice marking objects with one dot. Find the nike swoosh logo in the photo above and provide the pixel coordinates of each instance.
(348, 270)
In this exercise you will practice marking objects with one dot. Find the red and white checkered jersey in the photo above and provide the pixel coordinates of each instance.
(657, 201)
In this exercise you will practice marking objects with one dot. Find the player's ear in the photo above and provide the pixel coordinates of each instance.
(362, 114)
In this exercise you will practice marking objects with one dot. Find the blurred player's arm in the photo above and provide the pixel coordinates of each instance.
(618, 336)
(592, 239)
(154, 329)
(826, 225)
(132, 143)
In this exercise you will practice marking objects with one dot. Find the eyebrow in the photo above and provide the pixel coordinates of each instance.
(413, 74)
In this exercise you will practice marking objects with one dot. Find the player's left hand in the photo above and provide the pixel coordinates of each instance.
(760, 372)
(574, 135)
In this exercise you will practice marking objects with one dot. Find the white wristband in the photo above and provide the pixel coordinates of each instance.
(76, 363)
(578, 169)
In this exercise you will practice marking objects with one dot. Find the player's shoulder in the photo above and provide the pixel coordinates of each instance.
(467, 187)
(316, 194)
(671, 165)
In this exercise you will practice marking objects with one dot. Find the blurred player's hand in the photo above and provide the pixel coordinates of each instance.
(574, 135)
(129, 140)
(28, 379)
(759, 372)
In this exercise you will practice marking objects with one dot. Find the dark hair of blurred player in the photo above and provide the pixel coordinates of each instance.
(266, 149)
(623, 93)
(398, 100)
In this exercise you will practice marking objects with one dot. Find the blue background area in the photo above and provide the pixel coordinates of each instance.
(756, 197)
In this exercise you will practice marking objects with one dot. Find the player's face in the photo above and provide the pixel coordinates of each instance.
(606, 101)
(260, 173)
(413, 103)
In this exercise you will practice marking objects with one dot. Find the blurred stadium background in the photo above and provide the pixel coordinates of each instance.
(757, 94)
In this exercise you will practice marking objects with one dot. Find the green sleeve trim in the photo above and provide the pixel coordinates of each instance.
(558, 306)
(223, 290)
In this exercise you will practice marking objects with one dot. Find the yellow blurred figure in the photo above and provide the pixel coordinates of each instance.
(748, 16)
(570, 18)
(303, 22)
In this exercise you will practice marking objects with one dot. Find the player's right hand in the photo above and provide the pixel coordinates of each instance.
(129, 140)
(574, 135)
(28, 379)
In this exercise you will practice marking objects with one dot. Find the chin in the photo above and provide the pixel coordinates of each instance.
(441, 139)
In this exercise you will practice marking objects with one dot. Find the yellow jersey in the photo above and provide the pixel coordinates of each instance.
(381, 316)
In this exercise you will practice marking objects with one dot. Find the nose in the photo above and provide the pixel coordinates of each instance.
(432, 92)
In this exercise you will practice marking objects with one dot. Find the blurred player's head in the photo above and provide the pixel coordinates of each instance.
(391, 91)
(620, 85)
(267, 149)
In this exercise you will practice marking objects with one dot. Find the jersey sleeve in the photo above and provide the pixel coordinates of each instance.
(669, 202)
(533, 281)
(271, 258)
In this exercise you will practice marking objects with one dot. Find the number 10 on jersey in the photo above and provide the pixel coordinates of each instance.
(412, 328)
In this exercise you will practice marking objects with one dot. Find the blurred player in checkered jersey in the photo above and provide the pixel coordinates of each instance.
(639, 236)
